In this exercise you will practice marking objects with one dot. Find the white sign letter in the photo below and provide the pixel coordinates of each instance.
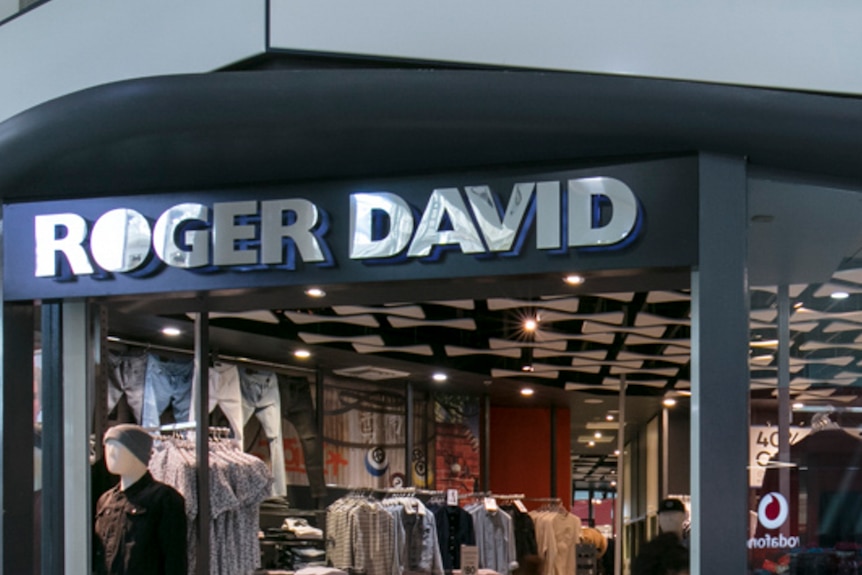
(71, 244)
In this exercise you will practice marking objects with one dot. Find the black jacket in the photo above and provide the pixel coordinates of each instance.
(141, 531)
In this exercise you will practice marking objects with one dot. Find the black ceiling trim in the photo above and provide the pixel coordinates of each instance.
(257, 127)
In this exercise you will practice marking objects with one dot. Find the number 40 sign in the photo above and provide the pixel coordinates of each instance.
(764, 446)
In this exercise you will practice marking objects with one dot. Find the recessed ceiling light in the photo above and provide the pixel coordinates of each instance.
(839, 295)
(527, 368)
(609, 417)
(171, 331)
(591, 444)
(613, 483)
(798, 405)
(531, 324)
(617, 452)
(668, 402)
(597, 435)
(439, 377)
(315, 292)
(302, 354)
(527, 391)
(574, 279)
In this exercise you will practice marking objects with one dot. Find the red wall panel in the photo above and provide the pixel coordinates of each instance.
(520, 451)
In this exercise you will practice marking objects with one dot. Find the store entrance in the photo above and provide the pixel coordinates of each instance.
(514, 387)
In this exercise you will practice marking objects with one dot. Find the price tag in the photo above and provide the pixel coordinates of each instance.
(491, 505)
(452, 497)
(519, 505)
(469, 560)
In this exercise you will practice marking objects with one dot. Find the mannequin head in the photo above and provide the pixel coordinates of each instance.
(127, 452)
(671, 516)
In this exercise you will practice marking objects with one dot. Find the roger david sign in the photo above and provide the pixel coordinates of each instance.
(383, 227)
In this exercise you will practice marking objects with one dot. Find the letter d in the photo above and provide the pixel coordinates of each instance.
(365, 225)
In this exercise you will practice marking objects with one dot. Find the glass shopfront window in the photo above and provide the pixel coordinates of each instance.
(805, 471)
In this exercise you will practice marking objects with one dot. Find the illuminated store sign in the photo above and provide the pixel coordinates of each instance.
(439, 227)
(596, 213)
(772, 512)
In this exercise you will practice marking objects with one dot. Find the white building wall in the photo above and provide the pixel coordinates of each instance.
(67, 45)
(796, 44)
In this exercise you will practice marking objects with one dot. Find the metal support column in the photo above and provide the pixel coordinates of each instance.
(18, 554)
(202, 364)
(53, 507)
(719, 370)
(784, 395)
(77, 359)
(408, 437)
(486, 444)
(619, 528)
(554, 451)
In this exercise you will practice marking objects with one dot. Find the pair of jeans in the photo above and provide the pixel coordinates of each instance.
(126, 376)
(298, 409)
(168, 384)
(224, 391)
(260, 397)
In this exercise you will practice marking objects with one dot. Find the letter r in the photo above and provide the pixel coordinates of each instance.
(71, 244)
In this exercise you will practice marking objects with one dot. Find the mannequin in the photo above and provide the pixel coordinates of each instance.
(666, 554)
(140, 524)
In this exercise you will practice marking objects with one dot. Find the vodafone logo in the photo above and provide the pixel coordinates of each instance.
(773, 510)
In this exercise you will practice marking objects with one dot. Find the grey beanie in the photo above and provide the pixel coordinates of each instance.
(134, 438)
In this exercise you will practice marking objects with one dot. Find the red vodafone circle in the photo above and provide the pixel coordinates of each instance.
(773, 510)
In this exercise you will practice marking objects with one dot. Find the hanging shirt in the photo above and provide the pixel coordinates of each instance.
(495, 538)
(454, 528)
(141, 531)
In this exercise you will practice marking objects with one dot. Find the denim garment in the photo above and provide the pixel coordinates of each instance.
(298, 409)
(126, 376)
(168, 384)
(224, 391)
(260, 397)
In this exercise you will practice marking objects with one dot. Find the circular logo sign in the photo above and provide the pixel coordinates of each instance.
(376, 462)
(773, 510)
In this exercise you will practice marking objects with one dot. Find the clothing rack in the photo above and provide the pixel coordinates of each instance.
(215, 356)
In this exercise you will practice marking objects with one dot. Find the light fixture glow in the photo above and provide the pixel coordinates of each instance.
(591, 444)
(764, 343)
(527, 368)
(668, 402)
(839, 295)
(798, 405)
(617, 452)
(315, 292)
(574, 279)
(439, 377)
(527, 391)
(597, 435)
(531, 324)
(171, 331)
(302, 354)
(609, 417)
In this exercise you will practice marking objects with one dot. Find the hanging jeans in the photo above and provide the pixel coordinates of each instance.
(224, 391)
(260, 397)
(168, 384)
(298, 409)
(126, 376)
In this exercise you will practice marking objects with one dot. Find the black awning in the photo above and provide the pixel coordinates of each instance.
(256, 127)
